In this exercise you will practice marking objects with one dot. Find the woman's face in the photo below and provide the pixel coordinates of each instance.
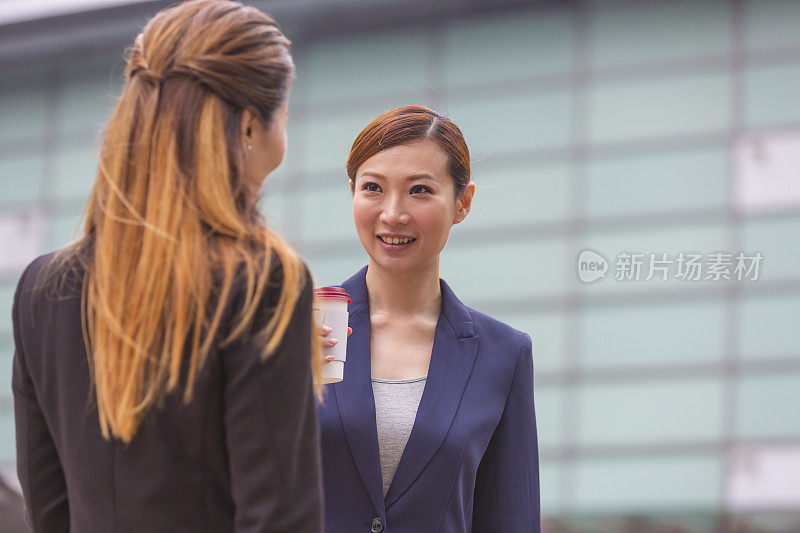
(404, 205)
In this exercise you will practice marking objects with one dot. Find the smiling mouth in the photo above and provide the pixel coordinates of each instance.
(396, 240)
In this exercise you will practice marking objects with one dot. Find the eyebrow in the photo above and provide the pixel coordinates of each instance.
(412, 177)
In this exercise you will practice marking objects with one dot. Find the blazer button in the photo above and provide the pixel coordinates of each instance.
(376, 526)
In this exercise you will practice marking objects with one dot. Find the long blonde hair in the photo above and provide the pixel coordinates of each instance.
(171, 221)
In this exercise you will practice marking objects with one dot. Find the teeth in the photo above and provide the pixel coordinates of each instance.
(396, 240)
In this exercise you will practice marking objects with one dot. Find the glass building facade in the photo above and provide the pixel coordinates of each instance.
(638, 128)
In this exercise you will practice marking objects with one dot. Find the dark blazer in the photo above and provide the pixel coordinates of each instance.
(243, 455)
(471, 462)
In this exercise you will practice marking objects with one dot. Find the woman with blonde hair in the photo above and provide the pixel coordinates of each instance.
(164, 367)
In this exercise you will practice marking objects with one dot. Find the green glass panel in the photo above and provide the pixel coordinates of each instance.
(6, 364)
(551, 474)
(89, 94)
(670, 106)
(771, 95)
(649, 484)
(328, 213)
(767, 405)
(510, 269)
(508, 197)
(23, 106)
(647, 32)
(513, 45)
(20, 178)
(775, 239)
(7, 290)
(772, 23)
(653, 334)
(75, 172)
(643, 184)
(293, 160)
(279, 207)
(651, 412)
(362, 65)
(328, 140)
(513, 123)
(8, 449)
(64, 228)
(769, 326)
(548, 400)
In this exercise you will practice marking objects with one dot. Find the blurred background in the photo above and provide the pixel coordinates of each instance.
(616, 126)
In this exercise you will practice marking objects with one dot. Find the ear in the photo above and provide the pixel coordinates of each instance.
(248, 124)
(464, 203)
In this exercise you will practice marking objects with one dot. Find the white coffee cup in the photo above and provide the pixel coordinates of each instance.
(331, 311)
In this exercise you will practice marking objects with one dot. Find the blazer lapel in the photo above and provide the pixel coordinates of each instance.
(354, 393)
(455, 346)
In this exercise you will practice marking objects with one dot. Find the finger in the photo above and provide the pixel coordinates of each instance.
(330, 342)
(349, 330)
(325, 330)
(327, 359)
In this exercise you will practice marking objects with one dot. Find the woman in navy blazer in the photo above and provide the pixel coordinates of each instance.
(470, 462)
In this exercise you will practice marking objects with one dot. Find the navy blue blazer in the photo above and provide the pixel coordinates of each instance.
(471, 462)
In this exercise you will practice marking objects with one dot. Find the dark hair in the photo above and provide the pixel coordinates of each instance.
(410, 124)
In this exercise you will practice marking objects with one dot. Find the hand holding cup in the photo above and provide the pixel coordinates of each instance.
(330, 311)
(324, 331)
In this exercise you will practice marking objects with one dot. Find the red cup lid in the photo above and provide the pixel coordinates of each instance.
(332, 292)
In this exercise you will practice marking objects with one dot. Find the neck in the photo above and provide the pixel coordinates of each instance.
(405, 293)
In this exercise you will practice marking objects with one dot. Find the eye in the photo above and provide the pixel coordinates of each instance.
(370, 186)
(417, 189)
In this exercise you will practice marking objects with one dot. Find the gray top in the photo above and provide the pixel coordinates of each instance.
(396, 402)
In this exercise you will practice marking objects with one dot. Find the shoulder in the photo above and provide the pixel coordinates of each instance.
(493, 328)
(32, 271)
(505, 340)
(281, 269)
(49, 284)
(58, 273)
(286, 276)
(295, 269)
(45, 263)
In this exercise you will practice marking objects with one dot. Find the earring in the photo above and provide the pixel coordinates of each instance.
(249, 146)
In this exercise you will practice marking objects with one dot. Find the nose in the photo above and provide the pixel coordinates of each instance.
(394, 212)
